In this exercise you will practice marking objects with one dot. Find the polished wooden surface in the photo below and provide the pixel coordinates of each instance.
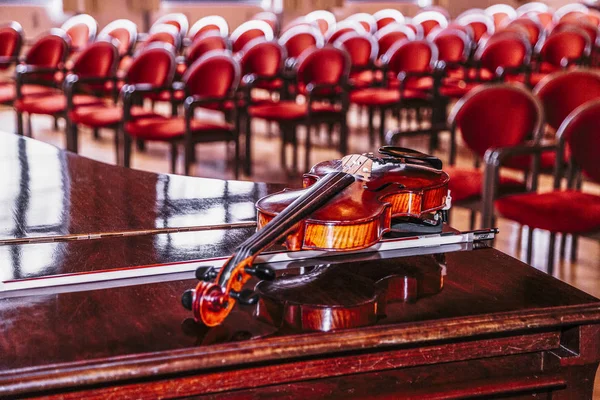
(496, 327)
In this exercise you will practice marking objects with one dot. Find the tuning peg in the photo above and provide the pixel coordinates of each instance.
(187, 299)
(246, 297)
(262, 272)
(206, 274)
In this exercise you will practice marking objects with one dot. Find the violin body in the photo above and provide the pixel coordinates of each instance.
(360, 215)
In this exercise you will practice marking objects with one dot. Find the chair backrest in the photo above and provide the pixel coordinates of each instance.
(214, 75)
(124, 31)
(343, 27)
(501, 13)
(361, 47)
(366, 20)
(388, 16)
(565, 45)
(563, 91)
(534, 29)
(98, 59)
(164, 33)
(592, 30)
(416, 28)
(49, 50)
(262, 58)
(430, 20)
(534, 6)
(11, 40)
(208, 41)
(504, 49)
(208, 24)
(178, 20)
(249, 30)
(496, 116)
(411, 56)
(581, 132)
(154, 65)
(481, 23)
(81, 29)
(324, 19)
(327, 65)
(454, 46)
(299, 38)
(270, 18)
(570, 12)
(390, 34)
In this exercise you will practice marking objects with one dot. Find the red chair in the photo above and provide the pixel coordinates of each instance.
(504, 56)
(209, 41)
(569, 211)
(535, 31)
(502, 14)
(325, 20)
(125, 32)
(178, 20)
(152, 68)
(270, 18)
(482, 119)
(81, 29)
(539, 12)
(95, 66)
(561, 49)
(248, 31)
(11, 40)
(343, 27)
(363, 50)
(164, 33)
(322, 76)
(211, 23)
(570, 12)
(47, 55)
(481, 24)
(391, 34)
(298, 39)
(210, 82)
(366, 20)
(454, 49)
(388, 16)
(430, 20)
(262, 64)
(407, 68)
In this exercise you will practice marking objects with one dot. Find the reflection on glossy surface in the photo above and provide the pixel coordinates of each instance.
(48, 192)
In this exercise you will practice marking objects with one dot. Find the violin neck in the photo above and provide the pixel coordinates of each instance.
(314, 197)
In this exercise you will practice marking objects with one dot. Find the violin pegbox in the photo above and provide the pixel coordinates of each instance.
(359, 165)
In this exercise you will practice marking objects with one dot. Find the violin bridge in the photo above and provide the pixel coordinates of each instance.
(358, 164)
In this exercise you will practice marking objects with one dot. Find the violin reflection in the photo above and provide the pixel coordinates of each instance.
(347, 295)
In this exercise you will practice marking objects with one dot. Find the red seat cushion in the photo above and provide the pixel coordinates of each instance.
(559, 211)
(178, 95)
(53, 104)
(98, 116)
(384, 96)
(8, 91)
(166, 129)
(458, 89)
(467, 184)
(290, 110)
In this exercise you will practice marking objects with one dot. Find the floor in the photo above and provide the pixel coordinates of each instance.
(584, 273)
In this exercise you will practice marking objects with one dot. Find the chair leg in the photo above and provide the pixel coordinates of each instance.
(294, 140)
(96, 133)
(20, 123)
(72, 133)
(189, 157)
(529, 255)
(173, 157)
(140, 144)
(563, 246)
(371, 116)
(126, 150)
(381, 126)
(30, 129)
(344, 137)
(55, 123)
(117, 145)
(551, 244)
(248, 139)
(236, 158)
(472, 218)
(283, 131)
(574, 241)
(307, 147)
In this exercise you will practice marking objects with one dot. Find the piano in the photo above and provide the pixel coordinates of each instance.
(488, 326)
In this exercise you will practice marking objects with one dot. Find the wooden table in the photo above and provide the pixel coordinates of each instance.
(498, 326)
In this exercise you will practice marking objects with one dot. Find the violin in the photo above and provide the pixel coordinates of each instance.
(345, 204)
